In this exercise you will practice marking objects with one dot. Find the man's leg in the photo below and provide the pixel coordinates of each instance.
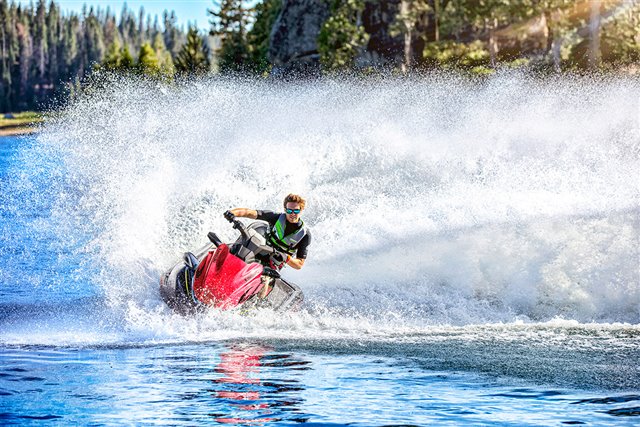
(267, 285)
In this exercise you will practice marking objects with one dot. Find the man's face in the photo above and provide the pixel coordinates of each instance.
(291, 209)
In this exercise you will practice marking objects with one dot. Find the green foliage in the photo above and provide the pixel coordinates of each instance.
(451, 54)
(233, 55)
(567, 29)
(518, 63)
(93, 40)
(258, 37)
(620, 39)
(126, 59)
(44, 52)
(119, 59)
(165, 62)
(6, 85)
(26, 118)
(193, 58)
(113, 57)
(481, 13)
(342, 36)
(148, 63)
(409, 13)
(229, 22)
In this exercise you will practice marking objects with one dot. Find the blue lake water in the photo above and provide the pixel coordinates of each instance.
(489, 284)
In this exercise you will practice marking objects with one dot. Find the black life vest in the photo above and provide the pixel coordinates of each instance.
(286, 243)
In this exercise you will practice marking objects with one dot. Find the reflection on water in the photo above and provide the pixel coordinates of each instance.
(254, 385)
(232, 383)
(272, 384)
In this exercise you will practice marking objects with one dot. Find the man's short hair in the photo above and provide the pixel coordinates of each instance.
(295, 199)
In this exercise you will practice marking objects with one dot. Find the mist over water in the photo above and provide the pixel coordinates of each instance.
(432, 202)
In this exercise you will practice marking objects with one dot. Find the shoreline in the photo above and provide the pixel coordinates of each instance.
(17, 130)
(23, 123)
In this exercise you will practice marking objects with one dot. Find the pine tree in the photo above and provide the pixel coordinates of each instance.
(110, 30)
(171, 32)
(229, 21)
(141, 36)
(342, 36)
(126, 59)
(13, 54)
(167, 68)
(127, 28)
(193, 58)
(113, 57)
(25, 91)
(40, 47)
(94, 39)
(54, 37)
(258, 36)
(148, 64)
(42, 50)
(70, 47)
(5, 58)
(148, 31)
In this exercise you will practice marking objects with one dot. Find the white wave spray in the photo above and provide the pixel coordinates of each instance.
(431, 201)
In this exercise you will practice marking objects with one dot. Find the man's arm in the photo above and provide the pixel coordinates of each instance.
(245, 213)
(296, 263)
(301, 251)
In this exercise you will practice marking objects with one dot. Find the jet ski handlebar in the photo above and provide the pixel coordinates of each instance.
(238, 225)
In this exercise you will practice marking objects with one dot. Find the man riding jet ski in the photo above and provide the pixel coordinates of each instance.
(287, 233)
(247, 273)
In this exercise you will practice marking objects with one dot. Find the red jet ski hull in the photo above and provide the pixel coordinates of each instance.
(223, 280)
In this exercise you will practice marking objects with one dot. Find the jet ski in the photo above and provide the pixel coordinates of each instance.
(228, 276)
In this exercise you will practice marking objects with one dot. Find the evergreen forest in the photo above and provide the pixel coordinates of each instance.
(45, 54)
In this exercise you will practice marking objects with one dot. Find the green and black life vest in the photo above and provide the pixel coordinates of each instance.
(284, 243)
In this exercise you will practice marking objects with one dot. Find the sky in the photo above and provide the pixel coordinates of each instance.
(187, 11)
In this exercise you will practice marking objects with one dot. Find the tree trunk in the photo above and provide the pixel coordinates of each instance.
(555, 49)
(493, 43)
(432, 30)
(4, 52)
(406, 65)
(436, 17)
(408, 34)
(594, 35)
(3, 71)
(26, 55)
(554, 39)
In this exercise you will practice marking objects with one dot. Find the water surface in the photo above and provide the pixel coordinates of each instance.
(475, 254)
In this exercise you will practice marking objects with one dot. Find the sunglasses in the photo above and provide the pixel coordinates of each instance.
(293, 211)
